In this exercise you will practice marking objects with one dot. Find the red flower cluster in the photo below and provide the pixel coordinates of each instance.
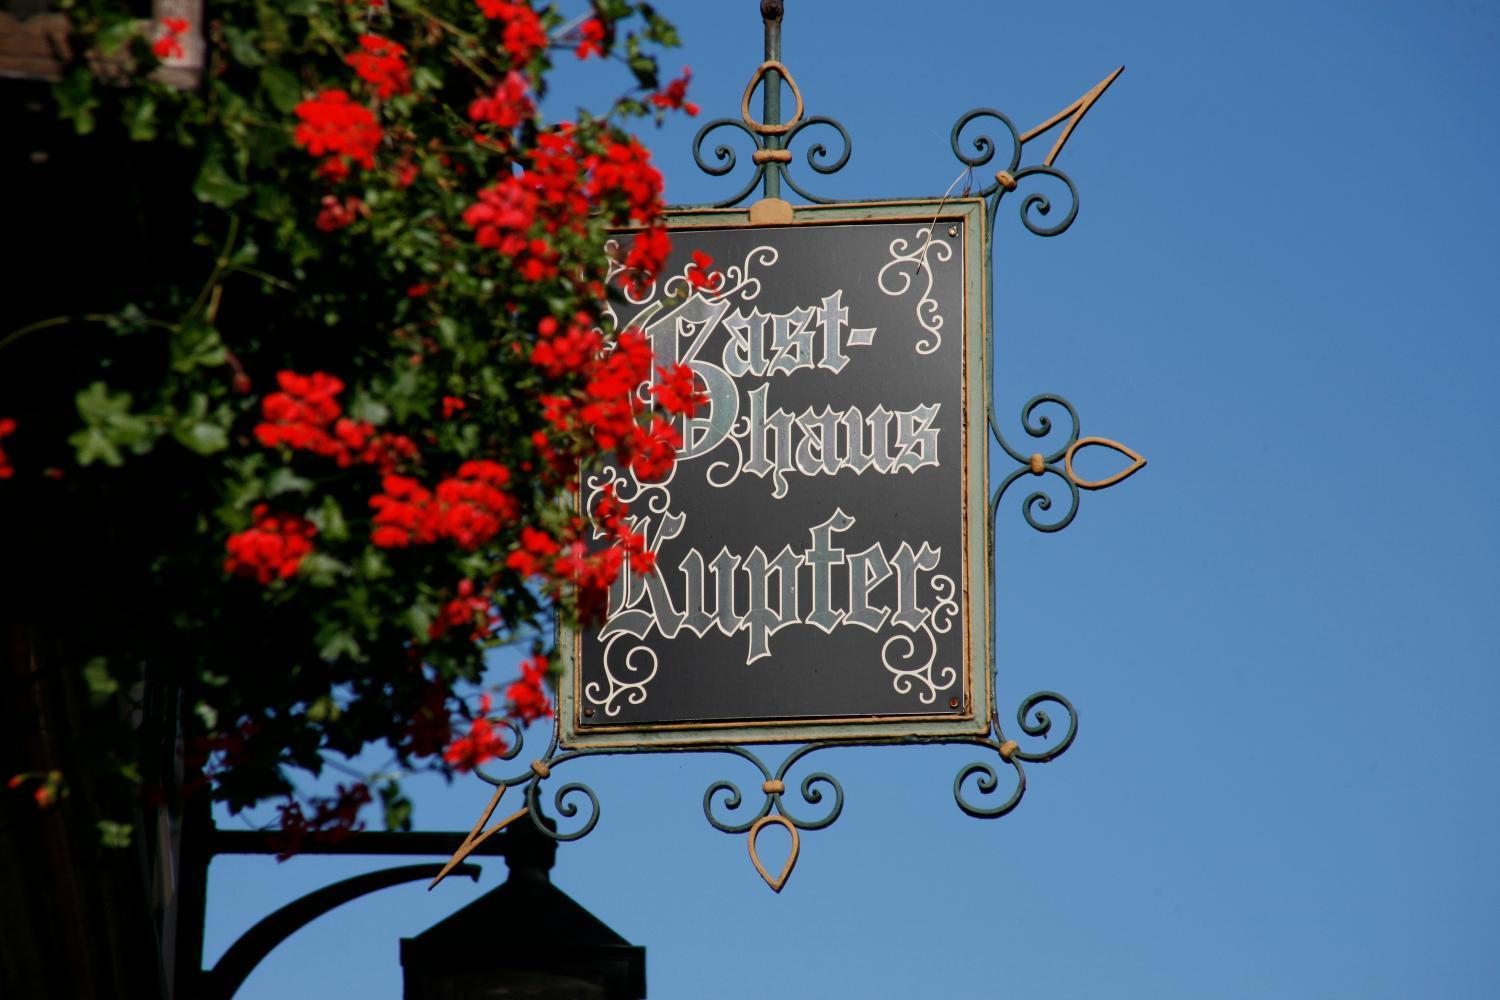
(591, 34)
(469, 509)
(339, 130)
(699, 275)
(468, 610)
(648, 254)
(625, 169)
(607, 407)
(336, 214)
(518, 210)
(473, 507)
(503, 215)
(572, 350)
(589, 573)
(272, 548)
(523, 36)
(481, 744)
(169, 44)
(676, 389)
(7, 428)
(305, 416)
(528, 698)
(379, 63)
(674, 94)
(557, 173)
(609, 515)
(507, 107)
(334, 818)
(536, 548)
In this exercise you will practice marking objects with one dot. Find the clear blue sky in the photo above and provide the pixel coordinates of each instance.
(1283, 636)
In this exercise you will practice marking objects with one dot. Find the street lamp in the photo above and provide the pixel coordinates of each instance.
(524, 939)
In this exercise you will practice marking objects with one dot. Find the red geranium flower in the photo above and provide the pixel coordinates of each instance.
(169, 44)
(481, 744)
(677, 391)
(507, 107)
(273, 548)
(528, 698)
(523, 36)
(674, 94)
(699, 275)
(379, 63)
(339, 130)
(591, 35)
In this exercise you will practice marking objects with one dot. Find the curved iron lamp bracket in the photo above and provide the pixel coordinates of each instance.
(236, 964)
(977, 788)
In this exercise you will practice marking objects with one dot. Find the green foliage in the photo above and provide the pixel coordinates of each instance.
(247, 275)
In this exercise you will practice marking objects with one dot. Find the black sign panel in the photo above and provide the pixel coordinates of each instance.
(819, 560)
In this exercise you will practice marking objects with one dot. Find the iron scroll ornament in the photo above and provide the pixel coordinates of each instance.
(978, 788)
(772, 155)
(724, 798)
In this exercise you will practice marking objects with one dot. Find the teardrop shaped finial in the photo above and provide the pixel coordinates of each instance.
(791, 858)
(1136, 463)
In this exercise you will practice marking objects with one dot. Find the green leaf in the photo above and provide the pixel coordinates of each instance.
(325, 709)
(321, 569)
(101, 685)
(76, 99)
(214, 184)
(92, 445)
(207, 715)
(397, 807)
(330, 520)
(334, 641)
(202, 437)
(282, 88)
(242, 47)
(284, 480)
(140, 117)
(197, 345)
(369, 409)
(109, 426)
(112, 834)
(117, 34)
(419, 618)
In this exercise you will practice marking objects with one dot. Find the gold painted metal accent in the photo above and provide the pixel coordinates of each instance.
(1006, 180)
(475, 838)
(1136, 463)
(773, 787)
(1038, 464)
(791, 858)
(1008, 750)
(761, 127)
(771, 156)
(771, 212)
(540, 769)
(1077, 110)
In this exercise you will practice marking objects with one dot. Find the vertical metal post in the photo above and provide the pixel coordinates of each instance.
(770, 12)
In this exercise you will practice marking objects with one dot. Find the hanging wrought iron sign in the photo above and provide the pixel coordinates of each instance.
(820, 567)
(824, 549)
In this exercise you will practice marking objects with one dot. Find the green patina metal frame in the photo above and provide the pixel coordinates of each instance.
(724, 803)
